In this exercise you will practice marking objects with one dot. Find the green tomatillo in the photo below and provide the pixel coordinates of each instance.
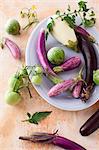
(12, 27)
(96, 77)
(56, 55)
(12, 98)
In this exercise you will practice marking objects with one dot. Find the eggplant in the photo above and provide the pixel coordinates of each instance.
(60, 87)
(69, 64)
(41, 52)
(77, 89)
(54, 139)
(88, 51)
(91, 125)
(14, 48)
(84, 34)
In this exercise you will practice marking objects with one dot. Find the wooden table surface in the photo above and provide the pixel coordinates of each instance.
(11, 127)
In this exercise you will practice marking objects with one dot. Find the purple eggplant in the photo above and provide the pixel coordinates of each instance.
(90, 58)
(91, 125)
(41, 52)
(60, 87)
(53, 139)
(14, 49)
(81, 31)
(69, 64)
(77, 89)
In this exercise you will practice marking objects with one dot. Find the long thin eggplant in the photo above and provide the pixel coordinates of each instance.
(91, 125)
(81, 31)
(41, 52)
(53, 139)
(88, 51)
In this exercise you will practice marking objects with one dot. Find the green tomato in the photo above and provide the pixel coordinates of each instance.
(38, 70)
(96, 77)
(12, 98)
(56, 55)
(37, 79)
(15, 82)
(12, 27)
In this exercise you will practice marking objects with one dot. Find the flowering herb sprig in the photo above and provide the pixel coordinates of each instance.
(30, 14)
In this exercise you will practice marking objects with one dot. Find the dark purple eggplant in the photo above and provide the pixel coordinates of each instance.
(91, 125)
(81, 31)
(88, 51)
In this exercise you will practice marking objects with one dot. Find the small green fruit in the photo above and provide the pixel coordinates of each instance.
(12, 27)
(96, 77)
(56, 55)
(38, 70)
(12, 98)
(37, 79)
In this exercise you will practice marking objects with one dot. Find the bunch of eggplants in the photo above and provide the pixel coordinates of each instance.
(81, 88)
(88, 51)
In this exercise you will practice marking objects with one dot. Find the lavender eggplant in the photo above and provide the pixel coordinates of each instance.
(14, 49)
(60, 87)
(90, 58)
(91, 125)
(41, 52)
(77, 89)
(69, 64)
(53, 139)
(81, 31)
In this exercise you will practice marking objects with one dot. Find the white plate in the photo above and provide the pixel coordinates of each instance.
(61, 101)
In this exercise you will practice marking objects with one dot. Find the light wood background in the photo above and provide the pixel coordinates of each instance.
(11, 126)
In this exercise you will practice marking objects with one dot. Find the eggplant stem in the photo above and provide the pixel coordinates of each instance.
(29, 24)
(29, 92)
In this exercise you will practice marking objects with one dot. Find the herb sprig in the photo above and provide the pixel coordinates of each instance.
(86, 14)
(37, 117)
(30, 14)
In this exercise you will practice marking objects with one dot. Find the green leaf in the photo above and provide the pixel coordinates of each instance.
(89, 22)
(46, 35)
(37, 117)
(82, 5)
(52, 21)
(70, 21)
(50, 26)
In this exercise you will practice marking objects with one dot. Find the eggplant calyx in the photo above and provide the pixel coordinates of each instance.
(86, 93)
